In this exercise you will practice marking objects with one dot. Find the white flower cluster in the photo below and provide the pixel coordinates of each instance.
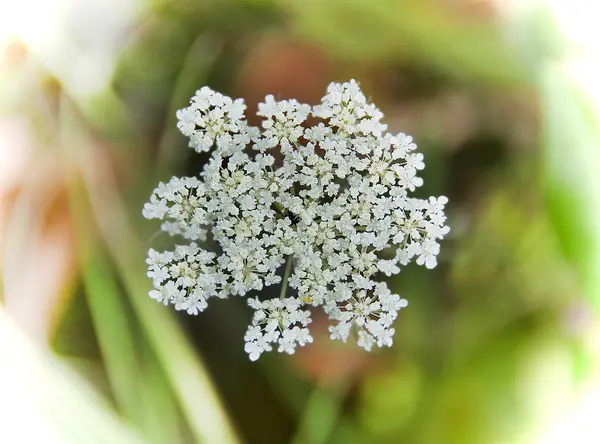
(327, 203)
(277, 321)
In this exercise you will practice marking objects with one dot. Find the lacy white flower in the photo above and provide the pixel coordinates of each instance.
(322, 205)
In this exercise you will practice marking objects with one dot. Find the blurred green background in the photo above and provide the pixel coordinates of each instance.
(501, 342)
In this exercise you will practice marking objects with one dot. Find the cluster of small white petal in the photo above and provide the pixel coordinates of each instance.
(330, 200)
(277, 321)
(371, 312)
(213, 118)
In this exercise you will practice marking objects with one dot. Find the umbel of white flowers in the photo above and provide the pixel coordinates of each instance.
(323, 203)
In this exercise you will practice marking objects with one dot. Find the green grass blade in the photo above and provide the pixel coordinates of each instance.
(191, 383)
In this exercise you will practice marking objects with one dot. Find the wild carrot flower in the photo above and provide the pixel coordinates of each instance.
(326, 203)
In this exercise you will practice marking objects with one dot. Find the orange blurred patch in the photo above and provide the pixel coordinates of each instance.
(13, 55)
(38, 259)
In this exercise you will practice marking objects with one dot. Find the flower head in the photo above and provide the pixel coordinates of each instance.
(329, 207)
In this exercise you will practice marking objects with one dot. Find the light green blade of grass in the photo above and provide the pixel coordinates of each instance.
(138, 386)
(192, 386)
(114, 335)
(139, 399)
(161, 405)
(43, 401)
(197, 397)
(191, 383)
(571, 143)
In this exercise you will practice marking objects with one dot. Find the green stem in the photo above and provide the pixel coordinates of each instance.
(286, 275)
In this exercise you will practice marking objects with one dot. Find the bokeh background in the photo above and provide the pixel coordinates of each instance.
(500, 343)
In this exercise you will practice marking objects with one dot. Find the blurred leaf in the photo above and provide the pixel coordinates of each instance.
(190, 381)
(425, 30)
(571, 141)
(114, 333)
(186, 375)
(321, 414)
(142, 399)
(389, 400)
(509, 269)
